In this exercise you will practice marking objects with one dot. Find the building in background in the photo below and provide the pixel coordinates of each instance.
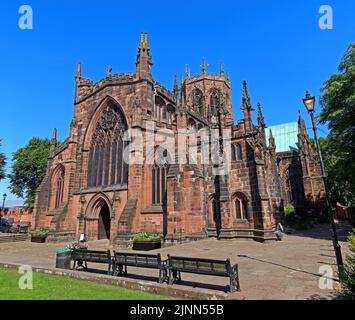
(19, 214)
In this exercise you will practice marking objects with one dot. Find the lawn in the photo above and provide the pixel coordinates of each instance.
(53, 287)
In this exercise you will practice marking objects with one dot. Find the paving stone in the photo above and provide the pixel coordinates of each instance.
(267, 271)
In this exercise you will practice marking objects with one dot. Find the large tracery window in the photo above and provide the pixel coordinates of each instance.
(106, 162)
(159, 171)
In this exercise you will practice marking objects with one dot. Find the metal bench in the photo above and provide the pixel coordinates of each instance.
(82, 256)
(221, 268)
(122, 260)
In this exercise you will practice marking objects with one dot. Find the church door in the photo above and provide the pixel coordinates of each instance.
(104, 223)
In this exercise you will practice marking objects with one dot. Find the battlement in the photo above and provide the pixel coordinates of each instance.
(87, 87)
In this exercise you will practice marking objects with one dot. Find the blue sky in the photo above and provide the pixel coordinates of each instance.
(277, 46)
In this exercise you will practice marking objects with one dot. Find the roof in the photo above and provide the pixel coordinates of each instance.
(285, 135)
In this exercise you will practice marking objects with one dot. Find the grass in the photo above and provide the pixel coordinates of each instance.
(53, 287)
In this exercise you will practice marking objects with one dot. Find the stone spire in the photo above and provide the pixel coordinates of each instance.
(54, 139)
(246, 99)
(261, 121)
(221, 70)
(108, 71)
(186, 71)
(78, 71)
(176, 88)
(247, 108)
(301, 124)
(144, 61)
(227, 76)
(272, 143)
(203, 66)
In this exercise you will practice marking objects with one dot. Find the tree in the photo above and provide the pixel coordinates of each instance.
(29, 168)
(338, 111)
(339, 187)
(2, 164)
(347, 275)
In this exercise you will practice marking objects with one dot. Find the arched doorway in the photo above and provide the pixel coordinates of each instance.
(104, 223)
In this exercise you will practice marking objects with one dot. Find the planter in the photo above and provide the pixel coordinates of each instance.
(146, 245)
(38, 239)
(63, 259)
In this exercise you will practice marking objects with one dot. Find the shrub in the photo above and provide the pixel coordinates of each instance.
(290, 214)
(43, 232)
(347, 275)
(147, 236)
(296, 221)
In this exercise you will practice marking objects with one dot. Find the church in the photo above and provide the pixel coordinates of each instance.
(91, 187)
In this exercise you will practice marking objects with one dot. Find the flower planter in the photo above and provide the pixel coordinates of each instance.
(146, 245)
(38, 239)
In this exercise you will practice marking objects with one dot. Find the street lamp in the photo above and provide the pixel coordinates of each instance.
(309, 103)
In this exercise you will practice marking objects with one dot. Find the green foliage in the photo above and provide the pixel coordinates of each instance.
(147, 237)
(296, 221)
(338, 111)
(290, 213)
(347, 276)
(42, 233)
(339, 181)
(2, 164)
(53, 287)
(29, 168)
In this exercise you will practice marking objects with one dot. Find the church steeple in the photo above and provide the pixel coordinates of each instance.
(144, 61)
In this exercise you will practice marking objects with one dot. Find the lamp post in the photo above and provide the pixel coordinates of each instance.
(3, 204)
(309, 103)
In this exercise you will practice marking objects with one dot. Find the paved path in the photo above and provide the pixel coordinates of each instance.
(277, 270)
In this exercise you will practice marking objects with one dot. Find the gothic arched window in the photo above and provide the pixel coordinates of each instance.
(239, 152)
(106, 161)
(159, 172)
(241, 207)
(213, 102)
(159, 107)
(233, 153)
(170, 110)
(59, 188)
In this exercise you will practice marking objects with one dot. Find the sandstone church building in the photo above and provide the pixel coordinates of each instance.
(90, 189)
